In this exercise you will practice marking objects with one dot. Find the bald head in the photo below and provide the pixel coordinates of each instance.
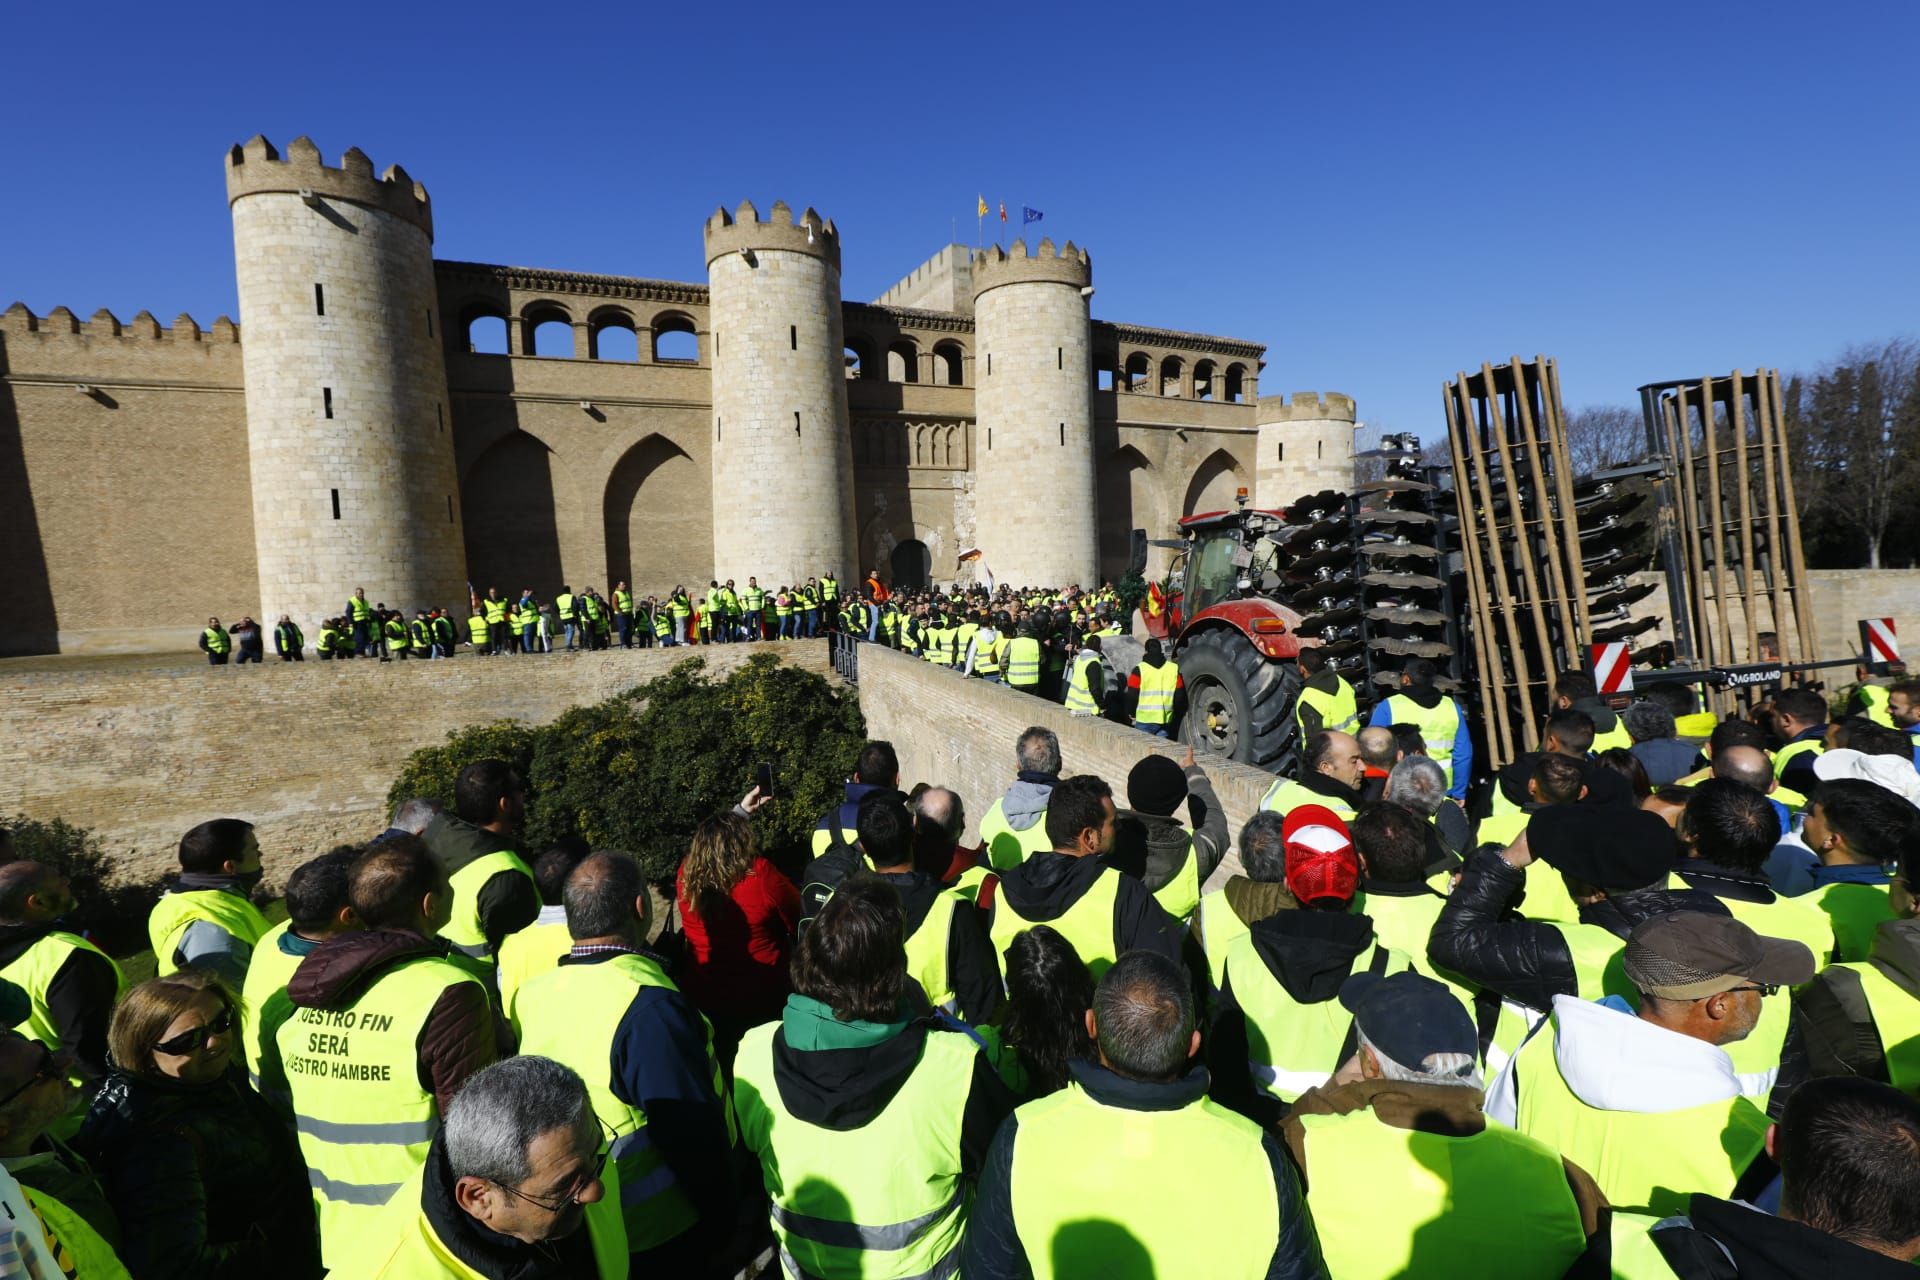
(606, 898)
(1377, 747)
(31, 892)
(1747, 766)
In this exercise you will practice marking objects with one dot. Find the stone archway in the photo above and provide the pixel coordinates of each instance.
(512, 531)
(911, 565)
(656, 537)
(1213, 484)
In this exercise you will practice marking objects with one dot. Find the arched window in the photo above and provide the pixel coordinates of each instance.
(858, 363)
(949, 364)
(675, 339)
(903, 362)
(1139, 368)
(487, 332)
(1236, 391)
(549, 332)
(1170, 376)
(1203, 380)
(611, 336)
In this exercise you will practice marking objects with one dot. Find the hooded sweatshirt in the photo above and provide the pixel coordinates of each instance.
(461, 1033)
(509, 901)
(1429, 697)
(1025, 802)
(1046, 885)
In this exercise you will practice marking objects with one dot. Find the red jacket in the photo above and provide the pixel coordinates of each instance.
(737, 959)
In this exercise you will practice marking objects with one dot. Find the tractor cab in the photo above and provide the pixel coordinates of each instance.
(1221, 556)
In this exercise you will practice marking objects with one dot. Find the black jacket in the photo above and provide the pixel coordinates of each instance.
(1842, 1039)
(1604, 786)
(1154, 847)
(1724, 1240)
(80, 997)
(1042, 888)
(1478, 937)
(971, 966)
(509, 901)
(994, 1250)
(207, 1180)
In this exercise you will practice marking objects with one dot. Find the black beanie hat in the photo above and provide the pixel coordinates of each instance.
(1156, 785)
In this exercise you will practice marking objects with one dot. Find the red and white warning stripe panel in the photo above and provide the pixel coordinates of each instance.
(1882, 644)
(1612, 669)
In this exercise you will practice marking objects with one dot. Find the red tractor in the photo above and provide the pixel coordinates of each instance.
(1217, 615)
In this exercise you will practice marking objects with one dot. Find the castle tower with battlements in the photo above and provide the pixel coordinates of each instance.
(1306, 445)
(782, 465)
(1035, 508)
(349, 443)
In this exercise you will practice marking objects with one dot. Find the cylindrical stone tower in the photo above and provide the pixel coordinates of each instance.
(1035, 516)
(1306, 445)
(348, 429)
(782, 454)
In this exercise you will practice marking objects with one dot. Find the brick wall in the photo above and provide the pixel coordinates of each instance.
(306, 752)
(960, 733)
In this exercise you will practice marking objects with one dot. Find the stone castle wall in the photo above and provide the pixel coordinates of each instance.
(1306, 445)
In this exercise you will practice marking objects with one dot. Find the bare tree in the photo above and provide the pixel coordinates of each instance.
(1854, 430)
(1605, 435)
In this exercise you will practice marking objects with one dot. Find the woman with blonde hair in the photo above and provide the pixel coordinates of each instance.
(738, 914)
(205, 1177)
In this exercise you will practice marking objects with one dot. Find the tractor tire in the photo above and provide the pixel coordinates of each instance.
(1239, 701)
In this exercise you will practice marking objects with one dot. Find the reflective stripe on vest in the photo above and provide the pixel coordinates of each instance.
(363, 1118)
(1495, 1185)
(1286, 795)
(986, 658)
(1896, 1017)
(1007, 847)
(1076, 1159)
(885, 1199)
(1156, 692)
(1337, 710)
(1023, 662)
(1087, 925)
(33, 971)
(1181, 894)
(171, 915)
(572, 1013)
(1644, 1161)
(264, 995)
(1079, 692)
(1291, 1047)
(464, 930)
(78, 1250)
(1855, 911)
(1439, 725)
(1219, 925)
(927, 951)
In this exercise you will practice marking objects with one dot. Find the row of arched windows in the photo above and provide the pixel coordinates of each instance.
(1137, 374)
(612, 333)
(945, 365)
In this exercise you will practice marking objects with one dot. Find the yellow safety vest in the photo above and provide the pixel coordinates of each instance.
(572, 1014)
(1877, 702)
(1338, 710)
(1453, 1200)
(1644, 1161)
(33, 972)
(563, 606)
(987, 662)
(1292, 1047)
(1286, 795)
(526, 955)
(1502, 827)
(361, 609)
(496, 610)
(1405, 924)
(927, 950)
(78, 1250)
(963, 640)
(264, 996)
(1797, 918)
(1180, 896)
(464, 930)
(1856, 911)
(1007, 847)
(884, 1201)
(1087, 925)
(1219, 925)
(1439, 725)
(477, 629)
(1079, 1163)
(1896, 1017)
(1023, 662)
(399, 1242)
(363, 1118)
(1612, 738)
(1793, 751)
(1079, 692)
(1546, 897)
(170, 916)
(1635, 1255)
(218, 641)
(940, 646)
(1156, 692)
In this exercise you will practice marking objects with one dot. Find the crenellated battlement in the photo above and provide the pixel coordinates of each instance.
(1307, 406)
(744, 230)
(255, 167)
(18, 318)
(1069, 265)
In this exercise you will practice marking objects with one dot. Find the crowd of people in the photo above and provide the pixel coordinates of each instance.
(1641, 1008)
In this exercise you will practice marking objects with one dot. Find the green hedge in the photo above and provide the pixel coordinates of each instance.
(640, 770)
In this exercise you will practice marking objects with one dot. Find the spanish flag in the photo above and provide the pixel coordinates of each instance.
(983, 206)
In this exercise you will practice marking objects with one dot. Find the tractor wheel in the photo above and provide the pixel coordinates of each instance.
(1239, 701)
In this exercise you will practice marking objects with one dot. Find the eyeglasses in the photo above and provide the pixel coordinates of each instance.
(1764, 988)
(572, 1193)
(191, 1041)
(42, 1073)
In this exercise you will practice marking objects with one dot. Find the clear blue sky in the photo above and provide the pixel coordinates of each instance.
(1382, 194)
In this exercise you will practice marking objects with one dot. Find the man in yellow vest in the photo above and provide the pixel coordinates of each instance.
(476, 846)
(1014, 826)
(1800, 721)
(1156, 695)
(876, 769)
(498, 632)
(1396, 889)
(208, 918)
(1862, 1018)
(1100, 910)
(1648, 1101)
(1858, 830)
(1086, 680)
(360, 613)
(216, 642)
(1022, 661)
(868, 1123)
(609, 1011)
(1171, 858)
(318, 908)
(1405, 1112)
(1278, 1029)
(384, 1031)
(1848, 1198)
(1903, 708)
(1576, 691)
(1330, 773)
(515, 1185)
(1442, 725)
(1325, 701)
(1103, 1177)
(70, 984)
(536, 949)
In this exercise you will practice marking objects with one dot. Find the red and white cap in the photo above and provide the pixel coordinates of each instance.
(1321, 862)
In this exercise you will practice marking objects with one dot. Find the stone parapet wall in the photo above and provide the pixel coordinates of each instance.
(305, 752)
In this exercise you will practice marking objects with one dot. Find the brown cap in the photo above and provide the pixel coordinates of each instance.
(1690, 955)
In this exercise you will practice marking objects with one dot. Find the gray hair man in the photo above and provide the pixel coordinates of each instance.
(1420, 784)
(512, 1176)
(1405, 1111)
(1080, 1147)
(1016, 826)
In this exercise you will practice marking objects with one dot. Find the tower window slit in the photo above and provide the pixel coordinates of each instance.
(440, 414)
(793, 337)
(1059, 357)
(796, 422)
(1063, 433)
(429, 322)
(449, 508)
(326, 402)
(336, 504)
(319, 299)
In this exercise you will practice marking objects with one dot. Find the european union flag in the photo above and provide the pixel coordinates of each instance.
(1030, 215)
